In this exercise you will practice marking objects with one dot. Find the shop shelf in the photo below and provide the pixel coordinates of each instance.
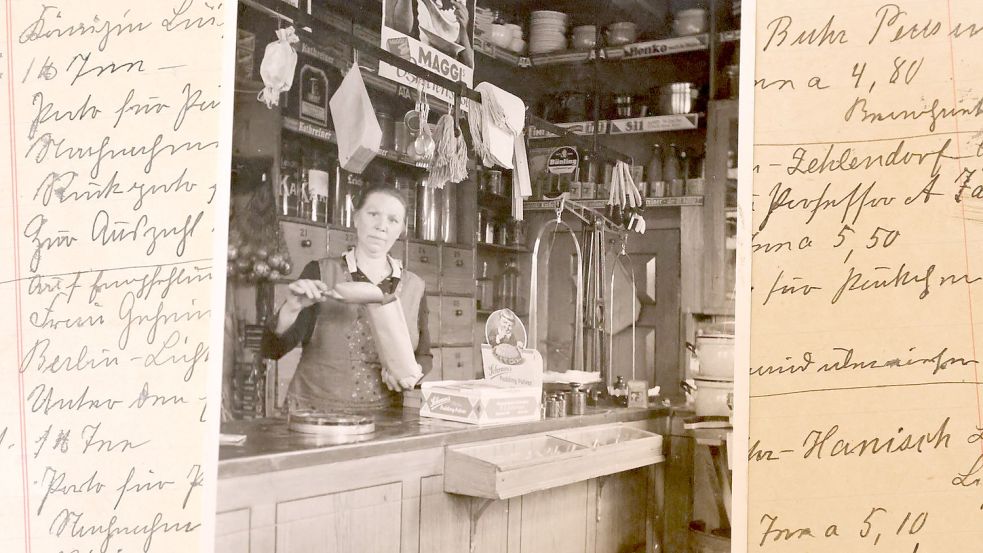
(511, 467)
(674, 201)
(634, 51)
(634, 125)
(503, 248)
(488, 312)
(327, 135)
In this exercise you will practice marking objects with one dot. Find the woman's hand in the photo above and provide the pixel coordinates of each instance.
(305, 293)
(398, 385)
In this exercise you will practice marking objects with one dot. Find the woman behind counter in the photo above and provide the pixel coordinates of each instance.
(339, 368)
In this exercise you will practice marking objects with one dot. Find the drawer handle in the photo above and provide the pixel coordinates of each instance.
(424, 259)
(460, 263)
(305, 243)
(459, 312)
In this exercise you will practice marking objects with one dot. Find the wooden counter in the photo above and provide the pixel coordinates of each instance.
(285, 493)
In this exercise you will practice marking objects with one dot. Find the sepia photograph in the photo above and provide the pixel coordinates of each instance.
(391, 212)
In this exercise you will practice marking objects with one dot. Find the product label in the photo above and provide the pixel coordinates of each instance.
(563, 161)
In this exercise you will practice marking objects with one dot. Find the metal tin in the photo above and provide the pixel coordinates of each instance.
(553, 408)
(388, 130)
(576, 401)
(448, 214)
(494, 184)
(427, 212)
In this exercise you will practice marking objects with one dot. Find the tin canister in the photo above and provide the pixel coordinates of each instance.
(576, 401)
(553, 407)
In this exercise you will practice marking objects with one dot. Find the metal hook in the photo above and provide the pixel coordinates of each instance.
(560, 207)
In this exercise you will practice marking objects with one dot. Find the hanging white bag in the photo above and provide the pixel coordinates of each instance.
(277, 68)
(358, 130)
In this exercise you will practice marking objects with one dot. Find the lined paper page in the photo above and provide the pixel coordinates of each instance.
(113, 171)
(867, 272)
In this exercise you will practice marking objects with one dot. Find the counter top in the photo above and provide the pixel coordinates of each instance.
(270, 446)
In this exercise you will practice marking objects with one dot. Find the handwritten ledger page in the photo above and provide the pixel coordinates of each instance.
(113, 170)
(867, 272)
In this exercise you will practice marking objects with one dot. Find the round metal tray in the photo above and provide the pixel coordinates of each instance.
(333, 424)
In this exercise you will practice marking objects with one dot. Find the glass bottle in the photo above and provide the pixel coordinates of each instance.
(621, 392)
(670, 168)
(679, 186)
(507, 286)
(484, 288)
(653, 173)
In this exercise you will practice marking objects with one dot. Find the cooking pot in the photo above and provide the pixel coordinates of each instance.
(716, 355)
(677, 98)
(711, 397)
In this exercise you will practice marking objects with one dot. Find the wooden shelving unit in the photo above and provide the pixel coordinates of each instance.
(634, 51)
(634, 125)
(327, 135)
(675, 201)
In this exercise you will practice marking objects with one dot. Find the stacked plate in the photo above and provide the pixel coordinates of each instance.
(483, 19)
(547, 32)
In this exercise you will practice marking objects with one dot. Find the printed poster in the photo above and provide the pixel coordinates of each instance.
(435, 34)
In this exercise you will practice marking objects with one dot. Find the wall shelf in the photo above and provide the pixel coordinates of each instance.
(504, 249)
(638, 50)
(675, 201)
(325, 134)
(635, 125)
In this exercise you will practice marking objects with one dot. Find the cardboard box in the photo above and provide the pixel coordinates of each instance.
(480, 402)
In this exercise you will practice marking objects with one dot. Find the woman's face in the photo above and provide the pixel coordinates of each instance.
(379, 223)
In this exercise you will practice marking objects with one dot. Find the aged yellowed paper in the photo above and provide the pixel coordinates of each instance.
(113, 167)
(866, 431)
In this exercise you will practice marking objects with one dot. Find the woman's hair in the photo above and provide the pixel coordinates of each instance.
(381, 189)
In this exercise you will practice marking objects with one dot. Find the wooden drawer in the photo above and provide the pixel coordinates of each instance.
(305, 243)
(339, 241)
(456, 320)
(424, 261)
(457, 271)
(433, 318)
(457, 364)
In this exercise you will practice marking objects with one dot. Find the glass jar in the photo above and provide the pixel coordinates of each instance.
(484, 289)
(507, 286)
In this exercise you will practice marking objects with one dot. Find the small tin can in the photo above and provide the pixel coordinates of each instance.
(576, 401)
(553, 407)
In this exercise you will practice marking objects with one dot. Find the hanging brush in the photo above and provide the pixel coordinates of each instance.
(445, 152)
(459, 161)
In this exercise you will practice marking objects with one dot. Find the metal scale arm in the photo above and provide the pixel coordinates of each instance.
(578, 339)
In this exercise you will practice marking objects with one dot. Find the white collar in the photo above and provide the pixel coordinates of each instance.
(394, 264)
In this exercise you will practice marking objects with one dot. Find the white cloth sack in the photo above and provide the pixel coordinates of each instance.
(277, 68)
(358, 130)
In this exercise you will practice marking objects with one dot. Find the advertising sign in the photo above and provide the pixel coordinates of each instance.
(437, 35)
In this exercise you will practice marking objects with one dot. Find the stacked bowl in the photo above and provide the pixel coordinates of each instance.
(547, 32)
(583, 37)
